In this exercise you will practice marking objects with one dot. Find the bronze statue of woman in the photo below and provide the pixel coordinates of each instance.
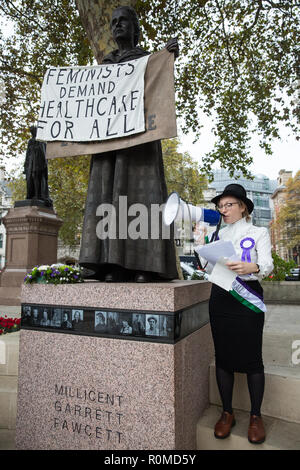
(137, 173)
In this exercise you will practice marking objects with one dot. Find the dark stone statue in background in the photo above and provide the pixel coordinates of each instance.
(135, 172)
(36, 170)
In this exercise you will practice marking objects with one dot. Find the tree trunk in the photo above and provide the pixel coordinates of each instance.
(95, 17)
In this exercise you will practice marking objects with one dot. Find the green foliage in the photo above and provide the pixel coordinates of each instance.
(288, 218)
(182, 173)
(197, 277)
(68, 182)
(281, 268)
(239, 64)
(17, 186)
(45, 33)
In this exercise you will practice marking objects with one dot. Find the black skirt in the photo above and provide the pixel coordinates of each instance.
(237, 331)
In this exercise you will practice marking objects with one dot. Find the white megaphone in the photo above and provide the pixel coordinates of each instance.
(176, 209)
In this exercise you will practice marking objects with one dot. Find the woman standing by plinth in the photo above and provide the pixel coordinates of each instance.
(237, 317)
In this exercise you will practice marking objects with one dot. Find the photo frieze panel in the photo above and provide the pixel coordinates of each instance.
(119, 324)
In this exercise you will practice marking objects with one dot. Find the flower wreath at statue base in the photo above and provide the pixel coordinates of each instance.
(54, 274)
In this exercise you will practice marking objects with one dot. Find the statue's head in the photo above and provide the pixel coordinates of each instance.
(130, 25)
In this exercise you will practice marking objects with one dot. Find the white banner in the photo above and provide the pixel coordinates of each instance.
(84, 104)
(160, 115)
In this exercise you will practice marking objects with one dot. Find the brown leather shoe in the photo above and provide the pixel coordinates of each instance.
(224, 425)
(256, 430)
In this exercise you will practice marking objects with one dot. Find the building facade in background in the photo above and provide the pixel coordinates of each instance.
(279, 234)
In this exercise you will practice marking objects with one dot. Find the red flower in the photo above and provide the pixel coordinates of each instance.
(9, 324)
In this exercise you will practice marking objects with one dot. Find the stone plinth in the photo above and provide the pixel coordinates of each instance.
(31, 233)
(117, 385)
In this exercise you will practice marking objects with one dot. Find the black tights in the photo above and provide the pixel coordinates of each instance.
(256, 386)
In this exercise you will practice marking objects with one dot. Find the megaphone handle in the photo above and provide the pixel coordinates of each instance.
(199, 261)
(216, 233)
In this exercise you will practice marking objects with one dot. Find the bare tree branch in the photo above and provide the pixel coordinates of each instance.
(12, 6)
(227, 41)
(281, 4)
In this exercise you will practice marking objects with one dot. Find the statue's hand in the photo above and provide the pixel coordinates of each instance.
(173, 46)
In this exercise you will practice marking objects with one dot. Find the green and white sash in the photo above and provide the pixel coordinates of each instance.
(247, 296)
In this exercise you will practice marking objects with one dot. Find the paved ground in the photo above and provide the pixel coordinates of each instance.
(10, 311)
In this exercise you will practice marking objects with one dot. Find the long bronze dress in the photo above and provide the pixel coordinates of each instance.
(138, 173)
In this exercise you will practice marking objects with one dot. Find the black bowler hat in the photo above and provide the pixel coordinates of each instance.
(237, 191)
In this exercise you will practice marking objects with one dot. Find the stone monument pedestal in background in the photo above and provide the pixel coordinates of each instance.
(113, 366)
(31, 240)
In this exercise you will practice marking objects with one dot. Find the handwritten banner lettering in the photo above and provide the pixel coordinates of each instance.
(83, 104)
(159, 110)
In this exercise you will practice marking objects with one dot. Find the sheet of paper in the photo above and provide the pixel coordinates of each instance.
(221, 275)
(215, 250)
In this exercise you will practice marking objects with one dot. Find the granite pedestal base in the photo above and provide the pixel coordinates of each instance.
(32, 233)
(118, 385)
